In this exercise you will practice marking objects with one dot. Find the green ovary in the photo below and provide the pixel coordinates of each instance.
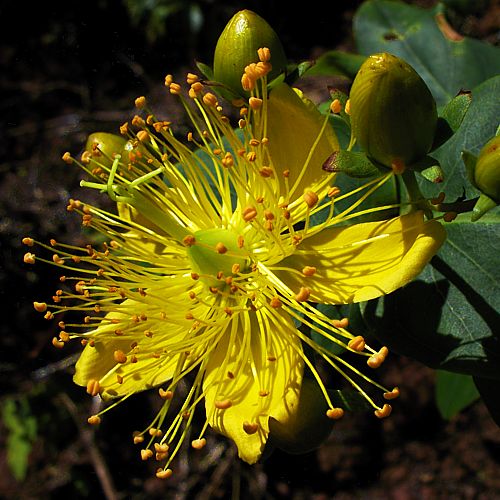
(215, 253)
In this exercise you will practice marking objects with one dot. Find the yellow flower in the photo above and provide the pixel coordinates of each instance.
(213, 260)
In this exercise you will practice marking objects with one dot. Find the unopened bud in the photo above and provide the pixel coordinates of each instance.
(393, 114)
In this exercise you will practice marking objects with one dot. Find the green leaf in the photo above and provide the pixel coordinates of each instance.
(488, 389)
(448, 318)
(412, 33)
(336, 62)
(22, 427)
(454, 392)
(451, 117)
(478, 126)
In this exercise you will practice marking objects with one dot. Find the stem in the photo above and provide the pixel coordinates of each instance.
(415, 196)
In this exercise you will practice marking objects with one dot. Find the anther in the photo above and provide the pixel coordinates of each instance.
(66, 157)
(162, 447)
(333, 191)
(357, 343)
(146, 454)
(439, 198)
(264, 54)
(249, 213)
(255, 103)
(175, 88)
(303, 295)
(164, 473)
(220, 248)
(40, 306)
(29, 258)
(251, 156)
(347, 108)
(119, 356)
(378, 358)
(384, 412)
(335, 413)
(191, 78)
(336, 106)
(309, 271)
(275, 303)
(340, 323)
(210, 100)
(58, 344)
(195, 276)
(28, 241)
(241, 241)
(155, 432)
(392, 394)
(143, 136)
(189, 240)
(93, 387)
(138, 439)
(48, 315)
(165, 394)
(247, 82)
(235, 268)
(94, 420)
(124, 129)
(140, 102)
(198, 444)
(266, 172)
(250, 427)
(224, 404)
(310, 198)
(263, 393)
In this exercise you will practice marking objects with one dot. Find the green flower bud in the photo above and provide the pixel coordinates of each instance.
(393, 113)
(487, 171)
(103, 147)
(308, 428)
(237, 47)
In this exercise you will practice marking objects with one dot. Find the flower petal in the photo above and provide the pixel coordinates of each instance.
(258, 367)
(364, 261)
(293, 127)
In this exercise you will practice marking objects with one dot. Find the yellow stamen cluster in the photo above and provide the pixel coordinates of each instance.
(191, 262)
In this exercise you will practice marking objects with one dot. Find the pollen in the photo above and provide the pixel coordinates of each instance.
(164, 473)
(249, 213)
(264, 54)
(40, 306)
(335, 413)
(223, 404)
(309, 271)
(93, 387)
(210, 100)
(220, 248)
(336, 106)
(303, 294)
(357, 343)
(310, 198)
(189, 241)
(250, 427)
(29, 258)
(140, 102)
(384, 412)
(198, 444)
(255, 103)
(120, 356)
(94, 420)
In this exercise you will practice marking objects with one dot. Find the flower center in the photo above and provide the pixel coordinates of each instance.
(216, 254)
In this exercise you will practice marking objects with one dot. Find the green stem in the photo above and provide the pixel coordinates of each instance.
(415, 196)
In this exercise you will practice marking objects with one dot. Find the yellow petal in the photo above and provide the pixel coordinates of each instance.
(364, 261)
(293, 127)
(147, 364)
(257, 367)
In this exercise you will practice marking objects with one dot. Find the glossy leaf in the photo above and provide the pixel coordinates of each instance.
(422, 38)
(454, 392)
(448, 318)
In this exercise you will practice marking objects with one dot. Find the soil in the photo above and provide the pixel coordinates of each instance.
(65, 73)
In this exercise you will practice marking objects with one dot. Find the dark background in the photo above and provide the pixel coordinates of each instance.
(68, 70)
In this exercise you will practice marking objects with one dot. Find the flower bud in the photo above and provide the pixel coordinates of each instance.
(237, 47)
(308, 428)
(393, 114)
(103, 147)
(487, 171)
